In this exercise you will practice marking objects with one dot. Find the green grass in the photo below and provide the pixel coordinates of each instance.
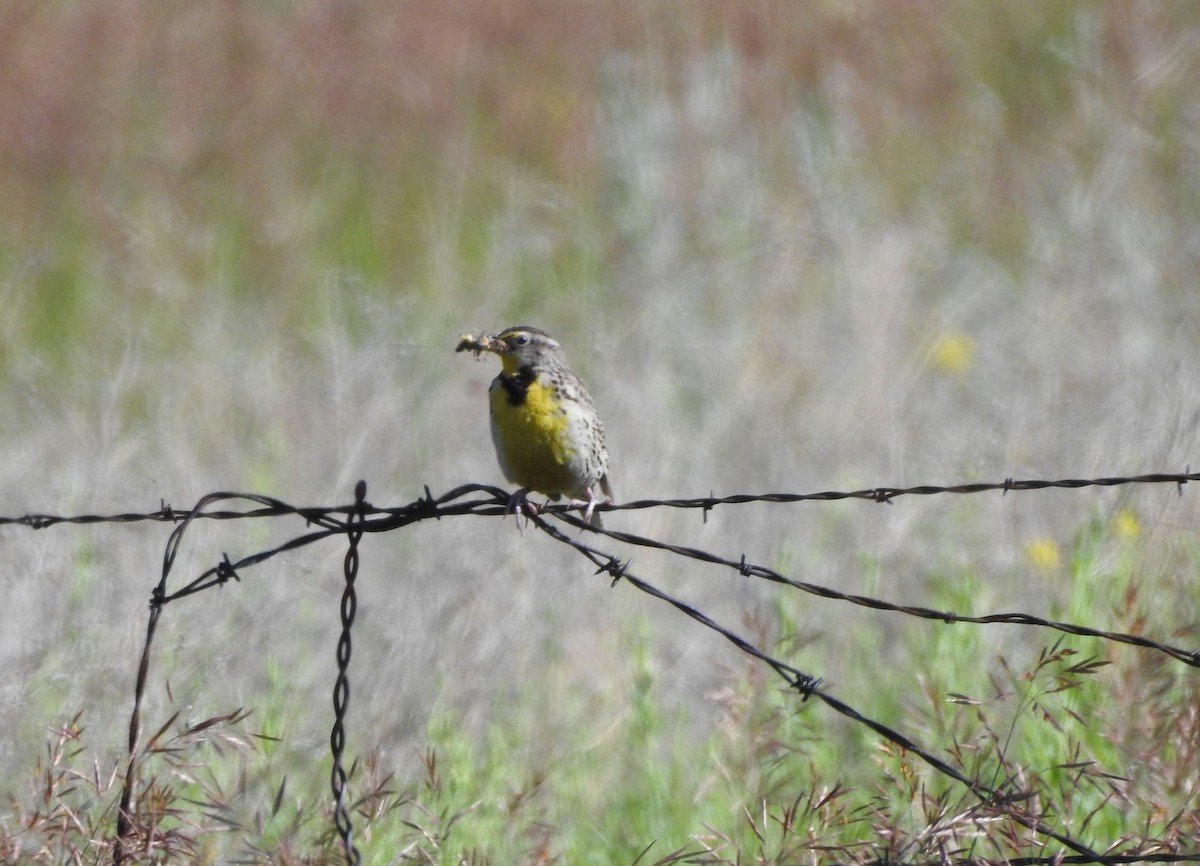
(773, 779)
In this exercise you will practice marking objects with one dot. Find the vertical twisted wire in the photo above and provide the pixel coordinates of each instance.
(341, 687)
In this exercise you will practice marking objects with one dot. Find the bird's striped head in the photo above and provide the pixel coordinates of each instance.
(525, 346)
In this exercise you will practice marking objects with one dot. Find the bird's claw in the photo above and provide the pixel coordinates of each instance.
(520, 504)
(589, 507)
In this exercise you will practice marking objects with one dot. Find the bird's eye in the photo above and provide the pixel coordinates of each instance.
(522, 339)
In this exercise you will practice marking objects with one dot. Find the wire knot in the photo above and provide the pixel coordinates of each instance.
(806, 685)
(226, 571)
(426, 506)
(614, 567)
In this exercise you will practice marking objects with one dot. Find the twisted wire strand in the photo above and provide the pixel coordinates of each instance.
(275, 508)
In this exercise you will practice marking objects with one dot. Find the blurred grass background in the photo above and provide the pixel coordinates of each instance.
(790, 247)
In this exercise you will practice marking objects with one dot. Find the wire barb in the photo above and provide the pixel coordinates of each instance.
(614, 567)
(427, 506)
(226, 571)
(806, 685)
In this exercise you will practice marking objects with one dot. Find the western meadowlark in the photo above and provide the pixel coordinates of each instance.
(547, 434)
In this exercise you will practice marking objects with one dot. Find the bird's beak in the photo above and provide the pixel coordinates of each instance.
(494, 344)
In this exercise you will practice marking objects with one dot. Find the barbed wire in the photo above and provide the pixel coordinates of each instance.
(888, 494)
(748, 569)
(270, 507)
(484, 500)
(809, 686)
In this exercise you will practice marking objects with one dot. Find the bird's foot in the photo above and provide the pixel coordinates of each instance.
(520, 504)
(589, 507)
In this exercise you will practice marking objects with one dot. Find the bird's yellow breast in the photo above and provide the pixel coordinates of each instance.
(532, 437)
